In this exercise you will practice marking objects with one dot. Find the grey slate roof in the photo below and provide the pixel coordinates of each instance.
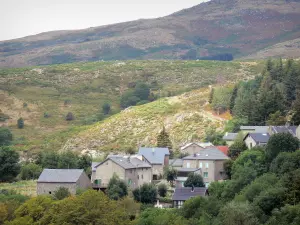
(188, 169)
(183, 194)
(211, 153)
(284, 129)
(176, 162)
(230, 136)
(154, 155)
(200, 144)
(256, 129)
(124, 162)
(60, 175)
(258, 137)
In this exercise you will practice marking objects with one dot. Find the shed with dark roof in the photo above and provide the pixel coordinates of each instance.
(256, 139)
(182, 194)
(52, 179)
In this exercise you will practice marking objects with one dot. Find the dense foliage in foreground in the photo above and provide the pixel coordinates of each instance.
(264, 189)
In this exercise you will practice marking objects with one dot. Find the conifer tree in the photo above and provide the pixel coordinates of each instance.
(232, 99)
(163, 139)
(211, 95)
(296, 109)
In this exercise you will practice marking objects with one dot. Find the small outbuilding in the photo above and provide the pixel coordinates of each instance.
(182, 194)
(256, 139)
(52, 179)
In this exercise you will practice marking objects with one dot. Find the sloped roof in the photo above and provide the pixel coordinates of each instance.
(94, 164)
(223, 149)
(230, 136)
(154, 155)
(176, 162)
(259, 137)
(60, 175)
(183, 194)
(127, 162)
(211, 153)
(256, 129)
(200, 144)
(188, 169)
(284, 129)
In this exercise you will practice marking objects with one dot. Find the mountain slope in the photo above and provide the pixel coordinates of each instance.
(82, 88)
(217, 27)
(284, 50)
(184, 117)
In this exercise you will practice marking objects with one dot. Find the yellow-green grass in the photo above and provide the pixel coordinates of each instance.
(86, 86)
(22, 187)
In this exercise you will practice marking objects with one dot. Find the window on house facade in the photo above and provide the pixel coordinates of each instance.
(142, 176)
(205, 174)
(188, 165)
(250, 145)
(206, 165)
(138, 177)
(200, 165)
(129, 182)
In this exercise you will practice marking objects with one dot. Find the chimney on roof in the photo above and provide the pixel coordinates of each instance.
(153, 151)
(193, 188)
(287, 124)
(128, 159)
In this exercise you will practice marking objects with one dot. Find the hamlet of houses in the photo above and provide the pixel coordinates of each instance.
(147, 166)
(260, 135)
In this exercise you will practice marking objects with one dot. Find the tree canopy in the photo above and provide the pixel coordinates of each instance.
(194, 180)
(9, 164)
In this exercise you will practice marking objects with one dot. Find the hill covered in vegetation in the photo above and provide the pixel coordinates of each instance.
(217, 29)
(43, 96)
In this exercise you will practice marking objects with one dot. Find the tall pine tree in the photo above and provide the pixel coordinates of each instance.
(296, 109)
(163, 139)
(232, 99)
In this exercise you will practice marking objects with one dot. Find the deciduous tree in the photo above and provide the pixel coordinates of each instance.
(194, 180)
(9, 164)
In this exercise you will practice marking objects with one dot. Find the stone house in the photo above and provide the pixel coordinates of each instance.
(283, 129)
(52, 179)
(182, 194)
(298, 132)
(254, 129)
(182, 175)
(158, 158)
(256, 139)
(229, 138)
(210, 161)
(131, 169)
(176, 163)
(194, 147)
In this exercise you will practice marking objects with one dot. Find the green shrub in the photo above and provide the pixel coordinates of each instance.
(20, 123)
(70, 116)
(61, 193)
(5, 136)
(162, 190)
(30, 171)
(46, 115)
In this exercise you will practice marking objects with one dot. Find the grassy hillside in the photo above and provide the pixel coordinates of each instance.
(185, 117)
(82, 88)
(236, 27)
